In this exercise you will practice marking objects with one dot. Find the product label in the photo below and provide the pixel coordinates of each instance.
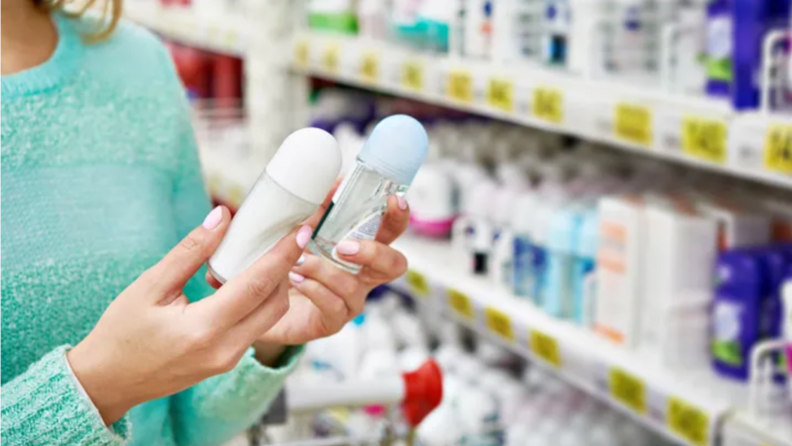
(417, 283)
(778, 149)
(726, 343)
(719, 48)
(461, 305)
(499, 323)
(369, 67)
(500, 94)
(688, 421)
(366, 229)
(548, 105)
(705, 139)
(459, 86)
(628, 390)
(634, 123)
(330, 58)
(545, 347)
(412, 75)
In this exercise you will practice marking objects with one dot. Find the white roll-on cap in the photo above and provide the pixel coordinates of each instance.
(307, 164)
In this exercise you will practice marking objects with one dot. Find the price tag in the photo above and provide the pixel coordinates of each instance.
(634, 123)
(548, 105)
(500, 94)
(459, 86)
(628, 390)
(413, 75)
(301, 53)
(688, 422)
(778, 149)
(417, 283)
(499, 322)
(369, 67)
(705, 139)
(330, 58)
(460, 304)
(545, 347)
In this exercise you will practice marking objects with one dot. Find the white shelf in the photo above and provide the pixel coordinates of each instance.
(645, 120)
(439, 279)
(223, 33)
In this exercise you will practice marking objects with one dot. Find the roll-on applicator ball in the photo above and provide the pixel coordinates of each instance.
(386, 166)
(291, 188)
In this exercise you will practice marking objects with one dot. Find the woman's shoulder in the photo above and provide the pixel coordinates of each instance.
(130, 50)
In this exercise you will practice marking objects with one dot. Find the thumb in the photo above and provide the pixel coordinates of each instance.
(183, 261)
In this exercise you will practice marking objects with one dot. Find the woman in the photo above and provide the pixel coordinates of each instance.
(100, 182)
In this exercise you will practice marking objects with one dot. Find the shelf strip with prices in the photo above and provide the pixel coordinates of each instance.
(699, 132)
(690, 408)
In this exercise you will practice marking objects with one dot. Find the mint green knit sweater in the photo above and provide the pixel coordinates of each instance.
(100, 178)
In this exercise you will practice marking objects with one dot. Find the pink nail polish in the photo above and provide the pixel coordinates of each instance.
(348, 247)
(402, 203)
(296, 278)
(213, 219)
(304, 236)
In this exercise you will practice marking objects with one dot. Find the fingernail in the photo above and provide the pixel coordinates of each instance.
(300, 261)
(213, 219)
(348, 247)
(296, 278)
(303, 236)
(402, 203)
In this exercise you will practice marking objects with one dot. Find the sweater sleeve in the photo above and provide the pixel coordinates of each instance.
(44, 406)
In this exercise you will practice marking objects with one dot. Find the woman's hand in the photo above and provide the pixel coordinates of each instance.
(152, 342)
(325, 297)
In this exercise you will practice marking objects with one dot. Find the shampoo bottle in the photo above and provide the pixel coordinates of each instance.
(386, 166)
(289, 191)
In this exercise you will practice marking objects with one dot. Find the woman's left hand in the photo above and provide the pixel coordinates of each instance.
(324, 297)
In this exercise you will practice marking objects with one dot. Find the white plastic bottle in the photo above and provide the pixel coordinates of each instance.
(433, 198)
(386, 166)
(290, 190)
(502, 270)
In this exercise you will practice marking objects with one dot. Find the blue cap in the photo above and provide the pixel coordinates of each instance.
(396, 148)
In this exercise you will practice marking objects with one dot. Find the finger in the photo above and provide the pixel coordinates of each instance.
(334, 310)
(183, 261)
(340, 282)
(244, 293)
(375, 256)
(395, 221)
(263, 317)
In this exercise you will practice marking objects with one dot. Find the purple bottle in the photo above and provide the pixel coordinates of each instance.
(736, 311)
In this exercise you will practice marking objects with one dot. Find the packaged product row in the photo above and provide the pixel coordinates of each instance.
(715, 49)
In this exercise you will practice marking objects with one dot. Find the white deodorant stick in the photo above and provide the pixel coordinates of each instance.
(289, 191)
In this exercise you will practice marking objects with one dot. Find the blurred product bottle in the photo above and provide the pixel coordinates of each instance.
(338, 16)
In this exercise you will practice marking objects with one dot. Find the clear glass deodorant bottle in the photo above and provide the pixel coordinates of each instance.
(386, 166)
(291, 188)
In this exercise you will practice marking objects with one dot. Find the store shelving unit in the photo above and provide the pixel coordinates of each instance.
(693, 408)
(697, 131)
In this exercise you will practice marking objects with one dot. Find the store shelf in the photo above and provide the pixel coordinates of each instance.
(696, 131)
(223, 32)
(688, 407)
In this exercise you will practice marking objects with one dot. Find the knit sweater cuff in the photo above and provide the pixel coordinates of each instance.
(45, 406)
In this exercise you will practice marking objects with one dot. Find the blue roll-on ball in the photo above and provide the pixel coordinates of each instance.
(396, 148)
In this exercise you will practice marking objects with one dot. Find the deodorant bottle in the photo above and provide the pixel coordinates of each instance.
(386, 166)
(291, 188)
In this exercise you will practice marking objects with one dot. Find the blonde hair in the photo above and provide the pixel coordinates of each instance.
(110, 13)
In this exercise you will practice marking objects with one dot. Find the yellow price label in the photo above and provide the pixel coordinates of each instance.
(687, 421)
(330, 58)
(634, 124)
(499, 322)
(778, 149)
(500, 94)
(705, 138)
(548, 105)
(417, 283)
(369, 67)
(545, 347)
(412, 75)
(459, 86)
(301, 53)
(461, 304)
(628, 390)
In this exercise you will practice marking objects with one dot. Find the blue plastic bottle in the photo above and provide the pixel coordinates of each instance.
(559, 292)
(740, 277)
(586, 246)
(523, 283)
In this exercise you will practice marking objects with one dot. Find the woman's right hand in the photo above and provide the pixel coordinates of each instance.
(152, 342)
